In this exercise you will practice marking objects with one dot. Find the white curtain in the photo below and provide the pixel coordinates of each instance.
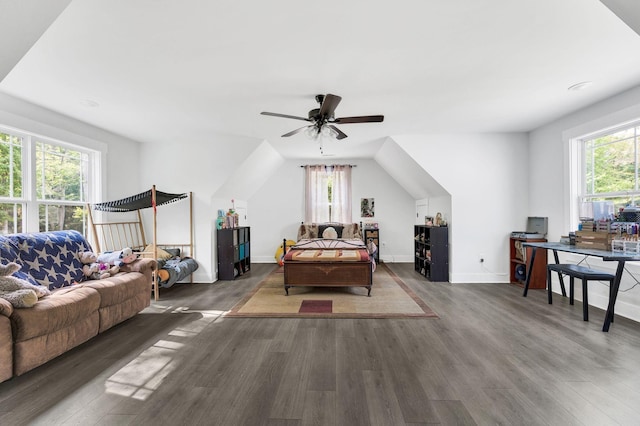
(316, 202)
(317, 194)
(341, 194)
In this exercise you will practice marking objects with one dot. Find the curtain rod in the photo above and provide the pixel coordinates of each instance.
(328, 165)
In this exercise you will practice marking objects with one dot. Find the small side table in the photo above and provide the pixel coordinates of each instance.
(373, 234)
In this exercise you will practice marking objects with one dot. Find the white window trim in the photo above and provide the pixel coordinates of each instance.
(31, 204)
(572, 151)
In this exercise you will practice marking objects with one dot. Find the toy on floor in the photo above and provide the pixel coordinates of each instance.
(372, 248)
(280, 252)
(20, 293)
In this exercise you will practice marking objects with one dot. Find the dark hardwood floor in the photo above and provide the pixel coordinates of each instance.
(493, 357)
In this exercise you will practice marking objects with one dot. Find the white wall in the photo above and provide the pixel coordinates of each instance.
(549, 185)
(494, 180)
(121, 155)
(486, 177)
(209, 169)
(277, 209)
(482, 215)
(202, 167)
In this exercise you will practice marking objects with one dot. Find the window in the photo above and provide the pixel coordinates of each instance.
(328, 194)
(11, 217)
(44, 184)
(610, 167)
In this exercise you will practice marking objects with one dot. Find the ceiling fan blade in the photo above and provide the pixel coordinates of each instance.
(275, 114)
(361, 119)
(293, 132)
(341, 134)
(329, 105)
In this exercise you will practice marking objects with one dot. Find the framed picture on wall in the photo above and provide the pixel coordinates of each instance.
(367, 207)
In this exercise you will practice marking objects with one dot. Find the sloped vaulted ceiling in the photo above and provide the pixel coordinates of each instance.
(407, 172)
(198, 68)
(627, 10)
(205, 67)
(23, 23)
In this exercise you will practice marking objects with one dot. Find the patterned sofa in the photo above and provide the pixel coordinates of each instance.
(76, 311)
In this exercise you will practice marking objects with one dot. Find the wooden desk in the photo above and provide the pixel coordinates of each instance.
(606, 255)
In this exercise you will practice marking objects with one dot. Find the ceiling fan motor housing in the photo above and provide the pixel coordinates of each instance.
(314, 114)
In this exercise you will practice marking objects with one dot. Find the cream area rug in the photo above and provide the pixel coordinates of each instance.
(390, 298)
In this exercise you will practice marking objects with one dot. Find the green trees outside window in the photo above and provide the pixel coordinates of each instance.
(611, 168)
(42, 179)
(11, 217)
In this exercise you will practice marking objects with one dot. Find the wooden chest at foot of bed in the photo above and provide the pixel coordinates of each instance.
(338, 274)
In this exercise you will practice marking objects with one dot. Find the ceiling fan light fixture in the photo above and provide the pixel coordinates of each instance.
(327, 132)
(312, 132)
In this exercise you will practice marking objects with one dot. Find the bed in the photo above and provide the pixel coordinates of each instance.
(328, 262)
(176, 261)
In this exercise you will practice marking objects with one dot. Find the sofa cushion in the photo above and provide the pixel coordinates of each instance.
(6, 349)
(51, 258)
(120, 287)
(62, 309)
(29, 354)
(6, 308)
(121, 296)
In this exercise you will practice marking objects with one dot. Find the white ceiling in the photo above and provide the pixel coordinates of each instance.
(196, 70)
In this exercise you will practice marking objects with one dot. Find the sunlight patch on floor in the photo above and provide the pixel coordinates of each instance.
(146, 373)
(139, 378)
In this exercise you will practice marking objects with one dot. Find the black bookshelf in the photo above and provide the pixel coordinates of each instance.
(431, 252)
(234, 255)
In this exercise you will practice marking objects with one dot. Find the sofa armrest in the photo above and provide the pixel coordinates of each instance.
(6, 308)
(142, 265)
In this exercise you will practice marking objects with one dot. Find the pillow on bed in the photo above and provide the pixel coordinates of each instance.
(304, 232)
(351, 231)
(330, 233)
(162, 255)
(337, 228)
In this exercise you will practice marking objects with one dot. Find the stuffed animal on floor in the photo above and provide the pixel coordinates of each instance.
(280, 251)
(20, 293)
(118, 258)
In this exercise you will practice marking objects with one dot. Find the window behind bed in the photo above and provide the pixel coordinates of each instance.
(327, 193)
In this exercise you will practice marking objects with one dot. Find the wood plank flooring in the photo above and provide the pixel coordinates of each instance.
(493, 357)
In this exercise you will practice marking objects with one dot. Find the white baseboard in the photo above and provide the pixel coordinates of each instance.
(484, 277)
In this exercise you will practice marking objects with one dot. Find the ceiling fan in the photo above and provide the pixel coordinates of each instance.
(323, 118)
